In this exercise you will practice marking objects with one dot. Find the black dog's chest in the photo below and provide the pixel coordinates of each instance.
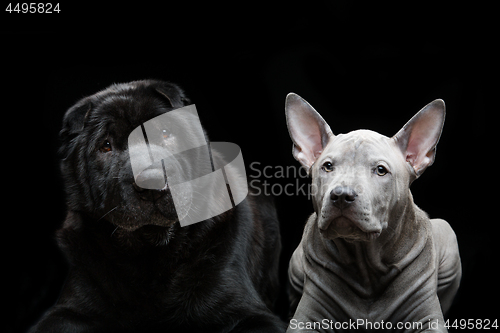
(150, 284)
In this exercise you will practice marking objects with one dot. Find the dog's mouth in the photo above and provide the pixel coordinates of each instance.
(137, 213)
(350, 230)
(132, 222)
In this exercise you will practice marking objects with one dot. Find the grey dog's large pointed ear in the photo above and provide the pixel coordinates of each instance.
(419, 137)
(309, 131)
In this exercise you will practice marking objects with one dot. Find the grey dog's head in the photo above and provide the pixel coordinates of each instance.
(96, 166)
(361, 180)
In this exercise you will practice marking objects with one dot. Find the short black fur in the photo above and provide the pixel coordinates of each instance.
(133, 268)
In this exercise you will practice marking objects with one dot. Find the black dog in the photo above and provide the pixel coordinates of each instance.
(133, 267)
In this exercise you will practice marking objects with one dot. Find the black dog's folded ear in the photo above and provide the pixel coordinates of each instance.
(186, 100)
(173, 93)
(73, 124)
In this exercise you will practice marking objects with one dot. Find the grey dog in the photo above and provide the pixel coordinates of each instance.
(369, 257)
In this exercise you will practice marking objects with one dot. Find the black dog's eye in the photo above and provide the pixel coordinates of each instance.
(167, 135)
(327, 166)
(106, 147)
(381, 170)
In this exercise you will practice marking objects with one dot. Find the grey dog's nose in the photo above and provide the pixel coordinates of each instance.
(343, 196)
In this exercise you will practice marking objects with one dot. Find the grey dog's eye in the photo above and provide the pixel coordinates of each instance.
(327, 166)
(106, 147)
(381, 170)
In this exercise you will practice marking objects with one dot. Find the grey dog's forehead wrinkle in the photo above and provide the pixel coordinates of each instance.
(358, 137)
(365, 142)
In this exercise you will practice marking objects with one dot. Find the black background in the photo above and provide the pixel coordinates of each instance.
(360, 67)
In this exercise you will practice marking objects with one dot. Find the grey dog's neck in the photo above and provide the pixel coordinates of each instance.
(403, 240)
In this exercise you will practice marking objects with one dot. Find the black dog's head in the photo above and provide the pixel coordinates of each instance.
(96, 165)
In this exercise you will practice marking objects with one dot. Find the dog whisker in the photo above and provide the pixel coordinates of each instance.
(112, 209)
(114, 231)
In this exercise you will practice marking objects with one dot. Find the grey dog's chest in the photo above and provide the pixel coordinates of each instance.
(356, 282)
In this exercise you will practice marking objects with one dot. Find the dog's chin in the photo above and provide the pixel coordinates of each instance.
(342, 227)
(130, 220)
(150, 234)
(135, 227)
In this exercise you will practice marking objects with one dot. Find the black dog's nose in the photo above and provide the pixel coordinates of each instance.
(342, 196)
(149, 195)
(151, 181)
